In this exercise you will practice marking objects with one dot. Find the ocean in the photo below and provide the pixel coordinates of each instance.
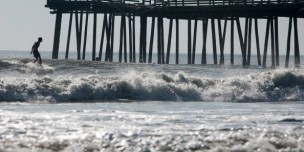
(89, 106)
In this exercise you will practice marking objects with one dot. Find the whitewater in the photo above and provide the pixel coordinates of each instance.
(72, 105)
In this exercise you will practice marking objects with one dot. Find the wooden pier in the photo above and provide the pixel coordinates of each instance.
(214, 13)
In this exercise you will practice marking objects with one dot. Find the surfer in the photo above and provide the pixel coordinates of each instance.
(35, 50)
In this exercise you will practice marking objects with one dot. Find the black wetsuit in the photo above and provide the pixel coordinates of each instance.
(35, 52)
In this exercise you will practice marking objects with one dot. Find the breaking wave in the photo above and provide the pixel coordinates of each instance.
(273, 85)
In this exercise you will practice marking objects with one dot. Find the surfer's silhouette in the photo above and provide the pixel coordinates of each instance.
(35, 50)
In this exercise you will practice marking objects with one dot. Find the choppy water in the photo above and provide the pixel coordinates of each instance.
(69, 105)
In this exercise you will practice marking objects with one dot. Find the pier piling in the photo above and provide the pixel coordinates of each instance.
(192, 11)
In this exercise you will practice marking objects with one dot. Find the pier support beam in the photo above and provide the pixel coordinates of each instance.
(232, 42)
(272, 42)
(133, 40)
(296, 42)
(69, 36)
(78, 25)
(222, 36)
(276, 32)
(169, 42)
(151, 40)
(249, 41)
(189, 41)
(57, 35)
(143, 39)
(214, 41)
(266, 42)
(130, 39)
(160, 41)
(177, 42)
(205, 31)
(257, 40)
(104, 28)
(194, 42)
(288, 42)
(85, 37)
(243, 49)
(94, 37)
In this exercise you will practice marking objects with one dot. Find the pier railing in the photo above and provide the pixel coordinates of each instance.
(187, 3)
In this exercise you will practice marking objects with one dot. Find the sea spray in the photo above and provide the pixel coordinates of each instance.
(68, 81)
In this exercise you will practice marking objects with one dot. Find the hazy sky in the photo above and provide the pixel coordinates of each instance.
(23, 21)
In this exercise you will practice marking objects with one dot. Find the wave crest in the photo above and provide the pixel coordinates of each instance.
(275, 85)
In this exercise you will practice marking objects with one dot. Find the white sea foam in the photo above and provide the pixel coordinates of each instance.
(146, 127)
(43, 83)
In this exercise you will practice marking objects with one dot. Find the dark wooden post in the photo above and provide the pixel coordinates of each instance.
(288, 42)
(296, 42)
(125, 38)
(130, 40)
(78, 36)
(134, 48)
(241, 40)
(108, 33)
(151, 40)
(266, 42)
(245, 40)
(205, 31)
(221, 39)
(143, 39)
(272, 43)
(69, 36)
(257, 41)
(169, 41)
(94, 37)
(189, 41)
(104, 27)
(85, 37)
(112, 37)
(120, 41)
(194, 42)
(232, 42)
(57, 35)
(276, 24)
(177, 42)
(162, 41)
(249, 41)
(214, 41)
(158, 40)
